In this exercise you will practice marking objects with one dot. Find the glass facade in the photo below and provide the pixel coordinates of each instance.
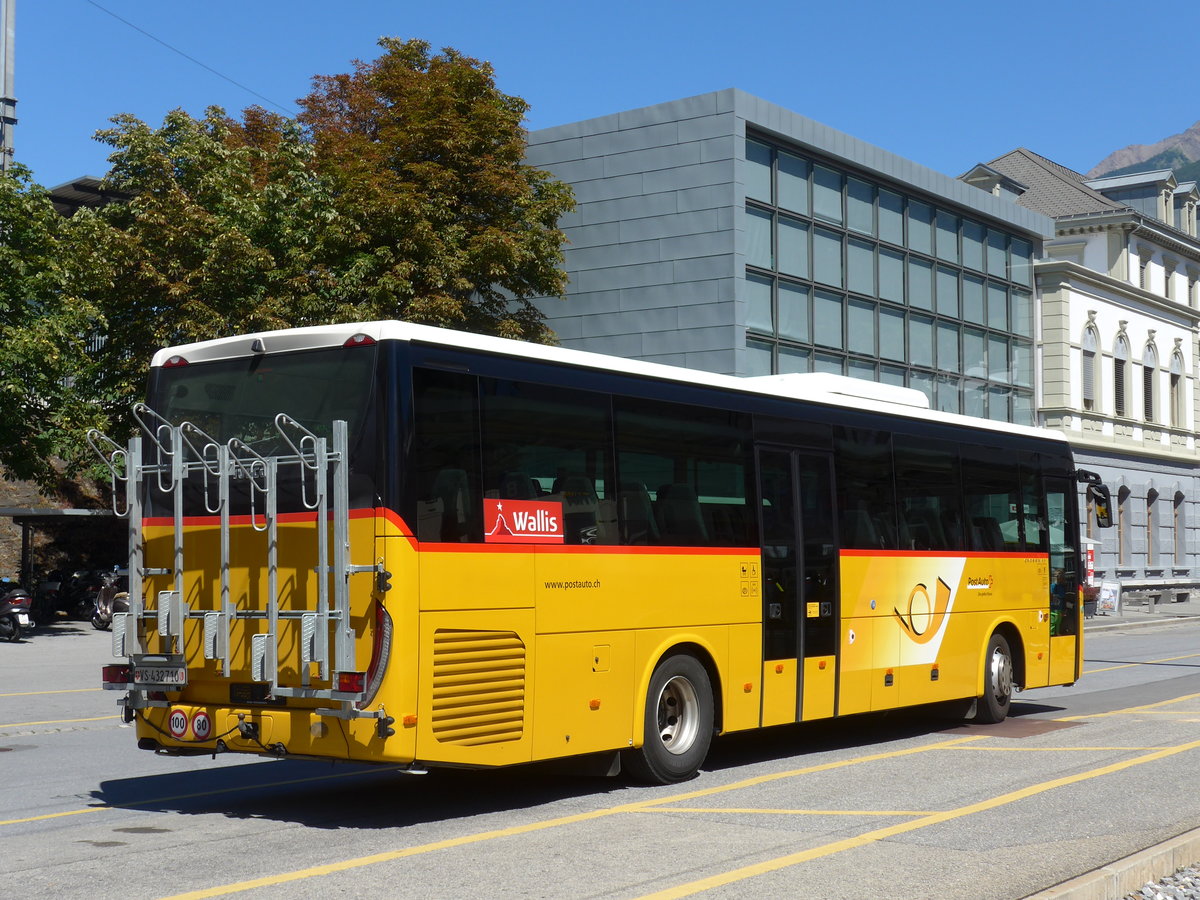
(847, 275)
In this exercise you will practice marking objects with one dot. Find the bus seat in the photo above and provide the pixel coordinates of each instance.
(580, 506)
(451, 488)
(636, 514)
(517, 486)
(679, 517)
(986, 533)
(860, 530)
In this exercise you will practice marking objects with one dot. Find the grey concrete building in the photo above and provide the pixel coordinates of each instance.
(725, 233)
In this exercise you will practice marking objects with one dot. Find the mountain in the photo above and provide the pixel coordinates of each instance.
(1174, 152)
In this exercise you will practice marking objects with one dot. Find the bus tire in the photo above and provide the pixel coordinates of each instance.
(678, 723)
(993, 706)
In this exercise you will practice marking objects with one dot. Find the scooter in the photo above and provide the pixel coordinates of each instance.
(112, 598)
(15, 619)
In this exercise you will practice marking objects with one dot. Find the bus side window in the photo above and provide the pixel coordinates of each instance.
(445, 457)
(991, 498)
(554, 445)
(928, 493)
(683, 472)
(866, 493)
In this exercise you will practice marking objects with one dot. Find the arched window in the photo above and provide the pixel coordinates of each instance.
(1123, 526)
(1151, 527)
(1179, 516)
(1178, 407)
(1149, 379)
(1120, 371)
(1088, 369)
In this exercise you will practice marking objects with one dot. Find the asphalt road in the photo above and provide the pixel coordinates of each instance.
(895, 806)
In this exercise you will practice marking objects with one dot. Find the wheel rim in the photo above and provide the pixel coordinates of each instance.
(1002, 676)
(678, 715)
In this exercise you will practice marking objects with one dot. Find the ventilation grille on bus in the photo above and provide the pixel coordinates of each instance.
(478, 687)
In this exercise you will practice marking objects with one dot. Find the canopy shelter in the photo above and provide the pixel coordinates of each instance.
(95, 527)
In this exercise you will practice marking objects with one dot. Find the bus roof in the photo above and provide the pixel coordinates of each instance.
(831, 390)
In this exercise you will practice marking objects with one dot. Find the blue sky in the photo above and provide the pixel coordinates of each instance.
(945, 84)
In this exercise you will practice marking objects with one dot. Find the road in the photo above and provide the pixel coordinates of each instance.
(898, 806)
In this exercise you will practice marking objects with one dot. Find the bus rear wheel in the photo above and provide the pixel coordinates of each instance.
(678, 723)
(997, 682)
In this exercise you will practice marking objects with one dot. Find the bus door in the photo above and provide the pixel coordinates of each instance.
(1066, 622)
(799, 584)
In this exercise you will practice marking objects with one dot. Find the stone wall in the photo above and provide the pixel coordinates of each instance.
(20, 494)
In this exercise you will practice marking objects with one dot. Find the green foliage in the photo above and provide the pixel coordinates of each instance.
(399, 193)
(44, 323)
(447, 226)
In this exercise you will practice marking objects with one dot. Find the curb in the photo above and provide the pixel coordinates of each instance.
(1166, 619)
(1118, 879)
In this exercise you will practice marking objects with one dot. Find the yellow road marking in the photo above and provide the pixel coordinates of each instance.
(1063, 749)
(1129, 710)
(787, 812)
(870, 837)
(57, 722)
(639, 806)
(229, 790)
(1148, 662)
(40, 693)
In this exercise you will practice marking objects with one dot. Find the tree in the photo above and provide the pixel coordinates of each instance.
(44, 325)
(218, 238)
(400, 193)
(449, 226)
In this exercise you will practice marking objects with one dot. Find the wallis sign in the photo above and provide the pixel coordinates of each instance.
(522, 522)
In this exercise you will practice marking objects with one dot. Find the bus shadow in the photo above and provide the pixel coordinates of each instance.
(348, 795)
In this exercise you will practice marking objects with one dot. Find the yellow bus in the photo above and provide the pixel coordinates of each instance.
(393, 543)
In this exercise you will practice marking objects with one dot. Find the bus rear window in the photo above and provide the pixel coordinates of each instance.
(239, 398)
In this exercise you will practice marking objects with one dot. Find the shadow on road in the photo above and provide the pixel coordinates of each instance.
(347, 795)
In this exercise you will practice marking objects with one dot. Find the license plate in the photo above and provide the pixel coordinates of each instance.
(160, 676)
(23, 619)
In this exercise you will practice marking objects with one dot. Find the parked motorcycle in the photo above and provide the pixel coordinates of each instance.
(77, 593)
(112, 598)
(15, 618)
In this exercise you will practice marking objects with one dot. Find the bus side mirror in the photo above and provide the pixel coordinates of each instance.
(1102, 503)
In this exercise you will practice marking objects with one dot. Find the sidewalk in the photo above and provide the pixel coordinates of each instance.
(1137, 614)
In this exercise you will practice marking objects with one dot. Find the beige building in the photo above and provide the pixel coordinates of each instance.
(1119, 311)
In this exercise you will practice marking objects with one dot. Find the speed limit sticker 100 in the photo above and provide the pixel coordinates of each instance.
(178, 723)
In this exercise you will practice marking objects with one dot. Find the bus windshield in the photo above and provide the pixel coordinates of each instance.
(239, 398)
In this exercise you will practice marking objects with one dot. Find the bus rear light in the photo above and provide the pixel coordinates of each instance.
(351, 682)
(359, 340)
(116, 673)
(175, 362)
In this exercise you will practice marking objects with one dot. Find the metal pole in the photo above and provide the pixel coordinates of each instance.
(8, 103)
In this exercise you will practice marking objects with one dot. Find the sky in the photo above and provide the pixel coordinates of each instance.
(945, 84)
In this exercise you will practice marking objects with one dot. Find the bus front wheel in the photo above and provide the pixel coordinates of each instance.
(997, 682)
(678, 723)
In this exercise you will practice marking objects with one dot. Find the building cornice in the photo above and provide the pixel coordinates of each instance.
(1114, 443)
(1132, 223)
(1051, 273)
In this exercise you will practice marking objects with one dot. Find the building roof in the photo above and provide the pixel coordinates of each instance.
(1133, 179)
(87, 190)
(1052, 189)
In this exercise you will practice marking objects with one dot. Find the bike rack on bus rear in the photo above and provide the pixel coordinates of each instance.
(164, 460)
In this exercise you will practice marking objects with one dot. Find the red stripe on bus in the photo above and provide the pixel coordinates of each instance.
(947, 554)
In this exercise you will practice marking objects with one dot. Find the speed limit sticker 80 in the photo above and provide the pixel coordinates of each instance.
(201, 725)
